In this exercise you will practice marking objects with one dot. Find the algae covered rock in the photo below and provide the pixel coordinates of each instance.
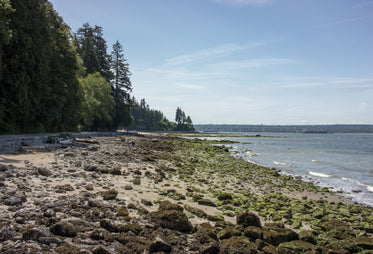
(276, 250)
(237, 245)
(307, 236)
(109, 195)
(298, 246)
(246, 219)
(175, 220)
(167, 205)
(253, 232)
(228, 232)
(196, 211)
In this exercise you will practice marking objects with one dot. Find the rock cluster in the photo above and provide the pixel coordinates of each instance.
(91, 199)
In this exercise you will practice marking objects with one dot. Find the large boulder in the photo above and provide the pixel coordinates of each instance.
(246, 219)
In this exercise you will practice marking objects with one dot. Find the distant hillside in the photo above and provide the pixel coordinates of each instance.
(338, 128)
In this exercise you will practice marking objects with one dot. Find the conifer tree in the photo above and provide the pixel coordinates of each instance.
(121, 86)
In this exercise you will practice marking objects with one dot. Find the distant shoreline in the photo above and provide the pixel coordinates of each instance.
(334, 128)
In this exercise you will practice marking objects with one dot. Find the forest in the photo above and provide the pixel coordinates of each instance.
(53, 79)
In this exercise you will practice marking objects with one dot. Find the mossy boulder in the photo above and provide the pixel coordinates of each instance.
(171, 219)
(167, 205)
(253, 232)
(109, 195)
(246, 219)
(237, 245)
(298, 246)
(228, 232)
(274, 237)
(122, 212)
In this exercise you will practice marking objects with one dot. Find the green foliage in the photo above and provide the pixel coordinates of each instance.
(183, 123)
(39, 87)
(146, 118)
(98, 104)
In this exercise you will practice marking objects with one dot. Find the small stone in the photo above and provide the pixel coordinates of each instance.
(44, 172)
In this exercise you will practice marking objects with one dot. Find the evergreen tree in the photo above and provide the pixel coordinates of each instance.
(92, 48)
(121, 86)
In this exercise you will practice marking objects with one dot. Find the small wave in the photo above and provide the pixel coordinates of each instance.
(319, 174)
(279, 163)
(316, 161)
(370, 188)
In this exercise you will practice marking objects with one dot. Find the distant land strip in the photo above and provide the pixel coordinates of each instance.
(335, 128)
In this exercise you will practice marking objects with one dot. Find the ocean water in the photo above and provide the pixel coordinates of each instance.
(338, 161)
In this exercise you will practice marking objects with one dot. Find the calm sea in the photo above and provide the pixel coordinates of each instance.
(339, 161)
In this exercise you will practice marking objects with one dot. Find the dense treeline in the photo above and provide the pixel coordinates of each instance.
(146, 118)
(40, 90)
(52, 79)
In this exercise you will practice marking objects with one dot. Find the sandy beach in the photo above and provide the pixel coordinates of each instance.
(158, 193)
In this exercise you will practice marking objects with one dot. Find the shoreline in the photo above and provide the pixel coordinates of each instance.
(113, 192)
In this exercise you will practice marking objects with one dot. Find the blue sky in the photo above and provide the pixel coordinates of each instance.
(243, 61)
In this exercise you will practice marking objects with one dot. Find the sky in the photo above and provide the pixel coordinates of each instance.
(243, 61)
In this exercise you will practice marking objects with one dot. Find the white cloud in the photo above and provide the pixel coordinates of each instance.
(252, 63)
(243, 2)
(217, 51)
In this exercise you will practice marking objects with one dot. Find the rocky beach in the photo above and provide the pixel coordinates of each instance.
(157, 193)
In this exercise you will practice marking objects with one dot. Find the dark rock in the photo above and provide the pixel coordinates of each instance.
(159, 245)
(122, 212)
(101, 234)
(146, 202)
(128, 187)
(3, 168)
(109, 225)
(210, 248)
(50, 213)
(7, 233)
(35, 233)
(101, 250)
(49, 240)
(171, 219)
(246, 219)
(15, 201)
(44, 172)
(64, 229)
(237, 245)
(206, 233)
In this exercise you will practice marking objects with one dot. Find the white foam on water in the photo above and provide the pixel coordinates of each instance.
(279, 163)
(319, 174)
(370, 188)
(316, 161)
